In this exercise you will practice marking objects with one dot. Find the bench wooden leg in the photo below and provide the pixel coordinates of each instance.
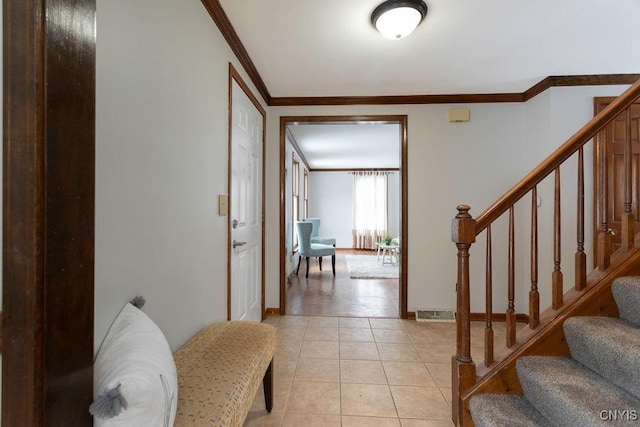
(267, 382)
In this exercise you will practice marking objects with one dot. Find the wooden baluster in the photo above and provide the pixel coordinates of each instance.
(605, 238)
(556, 276)
(534, 296)
(628, 222)
(463, 234)
(488, 330)
(511, 312)
(581, 257)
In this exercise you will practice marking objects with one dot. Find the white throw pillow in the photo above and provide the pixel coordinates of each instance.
(135, 381)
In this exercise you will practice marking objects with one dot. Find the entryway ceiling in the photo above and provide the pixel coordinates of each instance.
(329, 47)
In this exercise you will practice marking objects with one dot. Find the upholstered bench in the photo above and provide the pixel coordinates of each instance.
(220, 370)
(210, 381)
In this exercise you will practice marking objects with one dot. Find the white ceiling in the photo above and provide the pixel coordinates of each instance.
(349, 145)
(330, 48)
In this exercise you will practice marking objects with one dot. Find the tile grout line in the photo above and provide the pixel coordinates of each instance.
(376, 341)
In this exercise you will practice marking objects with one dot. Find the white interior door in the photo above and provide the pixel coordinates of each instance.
(246, 207)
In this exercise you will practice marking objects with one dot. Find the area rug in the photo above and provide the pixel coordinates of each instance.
(368, 267)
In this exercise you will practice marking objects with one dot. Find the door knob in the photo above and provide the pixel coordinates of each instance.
(611, 232)
(234, 223)
(238, 244)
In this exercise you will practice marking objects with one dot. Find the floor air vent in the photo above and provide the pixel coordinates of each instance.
(434, 315)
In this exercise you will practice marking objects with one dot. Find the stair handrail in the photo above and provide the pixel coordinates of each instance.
(562, 153)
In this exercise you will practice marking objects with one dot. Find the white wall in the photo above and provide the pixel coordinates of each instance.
(472, 163)
(444, 160)
(332, 200)
(571, 108)
(537, 148)
(552, 118)
(161, 161)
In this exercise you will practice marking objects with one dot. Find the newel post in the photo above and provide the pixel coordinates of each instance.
(463, 234)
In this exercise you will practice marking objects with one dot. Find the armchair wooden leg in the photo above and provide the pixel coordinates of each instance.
(307, 276)
(267, 382)
(333, 264)
(299, 260)
(320, 262)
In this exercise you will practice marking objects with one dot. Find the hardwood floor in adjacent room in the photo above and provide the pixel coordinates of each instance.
(324, 295)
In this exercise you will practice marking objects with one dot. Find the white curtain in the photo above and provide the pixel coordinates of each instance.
(369, 208)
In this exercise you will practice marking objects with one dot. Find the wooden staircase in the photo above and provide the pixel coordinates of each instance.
(591, 293)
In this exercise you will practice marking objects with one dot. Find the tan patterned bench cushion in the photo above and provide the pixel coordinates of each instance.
(220, 370)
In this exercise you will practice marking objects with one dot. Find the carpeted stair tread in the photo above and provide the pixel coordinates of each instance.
(568, 394)
(608, 346)
(499, 410)
(626, 291)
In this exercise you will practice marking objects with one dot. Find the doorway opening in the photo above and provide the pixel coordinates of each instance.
(328, 175)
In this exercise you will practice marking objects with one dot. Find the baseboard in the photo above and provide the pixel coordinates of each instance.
(270, 311)
(480, 317)
(411, 315)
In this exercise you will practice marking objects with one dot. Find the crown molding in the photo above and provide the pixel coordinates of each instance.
(580, 80)
(229, 33)
(551, 81)
(297, 149)
(395, 100)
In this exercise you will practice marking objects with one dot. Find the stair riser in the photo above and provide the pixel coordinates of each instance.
(626, 291)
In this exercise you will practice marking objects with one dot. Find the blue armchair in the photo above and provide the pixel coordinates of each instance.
(316, 230)
(307, 249)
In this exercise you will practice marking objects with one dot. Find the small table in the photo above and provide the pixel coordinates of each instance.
(388, 251)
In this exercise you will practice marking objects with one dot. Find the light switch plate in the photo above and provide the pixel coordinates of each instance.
(223, 204)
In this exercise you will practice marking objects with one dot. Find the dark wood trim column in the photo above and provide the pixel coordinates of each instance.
(48, 194)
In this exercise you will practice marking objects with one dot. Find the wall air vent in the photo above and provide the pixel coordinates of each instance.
(434, 315)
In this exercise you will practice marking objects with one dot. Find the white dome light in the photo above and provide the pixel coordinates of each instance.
(396, 19)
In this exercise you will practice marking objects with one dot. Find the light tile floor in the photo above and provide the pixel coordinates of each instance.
(337, 371)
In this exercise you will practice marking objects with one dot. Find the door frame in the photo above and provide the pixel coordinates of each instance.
(404, 226)
(48, 211)
(234, 75)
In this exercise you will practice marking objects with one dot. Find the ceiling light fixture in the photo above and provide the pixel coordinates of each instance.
(396, 19)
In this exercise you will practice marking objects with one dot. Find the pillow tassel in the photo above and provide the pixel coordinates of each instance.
(138, 302)
(109, 404)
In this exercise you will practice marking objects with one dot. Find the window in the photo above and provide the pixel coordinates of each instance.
(296, 197)
(369, 208)
(306, 193)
